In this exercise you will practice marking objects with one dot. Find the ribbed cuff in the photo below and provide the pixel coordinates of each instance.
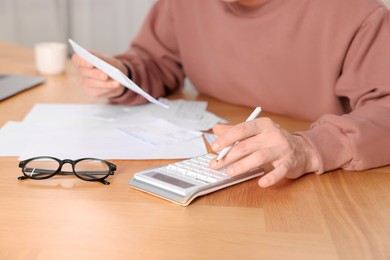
(331, 146)
(121, 94)
(128, 74)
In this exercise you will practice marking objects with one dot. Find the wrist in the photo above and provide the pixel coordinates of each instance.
(125, 70)
(122, 66)
(312, 162)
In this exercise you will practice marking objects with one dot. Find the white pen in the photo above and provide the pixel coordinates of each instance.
(225, 150)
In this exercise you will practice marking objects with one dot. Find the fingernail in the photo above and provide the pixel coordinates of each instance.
(212, 163)
(215, 147)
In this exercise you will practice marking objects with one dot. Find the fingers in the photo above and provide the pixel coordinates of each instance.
(78, 61)
(284, 168)
(220, 129)
(94, 81)
(92, 73)
(230, 135)
(274, 176)
(253, 136)
(261, 141)
(86, 69)
(97, 88)
(239, 164)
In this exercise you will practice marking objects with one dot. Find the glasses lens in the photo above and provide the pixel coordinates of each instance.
(92, 169)
(41, 168)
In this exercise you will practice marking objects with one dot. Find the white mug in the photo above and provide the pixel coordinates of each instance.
(50, 57)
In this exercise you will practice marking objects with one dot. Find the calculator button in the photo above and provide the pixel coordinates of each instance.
(197, 169)
(211, 179)
(202, 177)
(190, 174)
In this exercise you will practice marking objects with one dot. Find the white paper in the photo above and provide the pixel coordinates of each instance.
(78, 141)
(81, 130)
(113, 72)
(86, 114)
(188, 114)
(13, 137)
(159, 132)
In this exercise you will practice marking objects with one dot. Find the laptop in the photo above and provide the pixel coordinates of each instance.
(11, 85)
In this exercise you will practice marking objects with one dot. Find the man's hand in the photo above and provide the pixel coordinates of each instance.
(262, 141)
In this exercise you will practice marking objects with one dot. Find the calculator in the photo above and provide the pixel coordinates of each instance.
(183, 181)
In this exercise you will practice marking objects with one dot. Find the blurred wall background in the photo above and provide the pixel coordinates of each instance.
(103, 25)
(107, 26)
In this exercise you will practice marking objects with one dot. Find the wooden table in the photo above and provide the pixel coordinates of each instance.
(337, 215)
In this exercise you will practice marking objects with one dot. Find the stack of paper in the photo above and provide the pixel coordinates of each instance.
(162, 129)
(110, 131)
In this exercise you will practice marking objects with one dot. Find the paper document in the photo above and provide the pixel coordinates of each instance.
(75, 141)
(159, 132)
(184, 113)
(141, 132)
(187, 114)
(113, 72)
(91, 114)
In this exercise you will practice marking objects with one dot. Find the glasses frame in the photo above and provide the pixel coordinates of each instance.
(111, 169)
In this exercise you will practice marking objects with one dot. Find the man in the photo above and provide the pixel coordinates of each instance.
(325, 61)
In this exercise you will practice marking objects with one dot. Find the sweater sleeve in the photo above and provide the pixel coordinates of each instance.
(360, 139)
(153, 58)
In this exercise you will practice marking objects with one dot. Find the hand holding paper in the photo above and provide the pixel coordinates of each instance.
(113, 72)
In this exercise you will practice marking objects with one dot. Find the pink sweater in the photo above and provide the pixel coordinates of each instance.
(327, 61)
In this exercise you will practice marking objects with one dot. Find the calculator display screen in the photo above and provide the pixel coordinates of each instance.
(171, 180)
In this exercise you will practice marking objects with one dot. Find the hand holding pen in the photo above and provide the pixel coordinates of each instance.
(254, 143)
(254, 114)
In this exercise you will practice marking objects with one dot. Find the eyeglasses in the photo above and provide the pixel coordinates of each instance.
(87, 169)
